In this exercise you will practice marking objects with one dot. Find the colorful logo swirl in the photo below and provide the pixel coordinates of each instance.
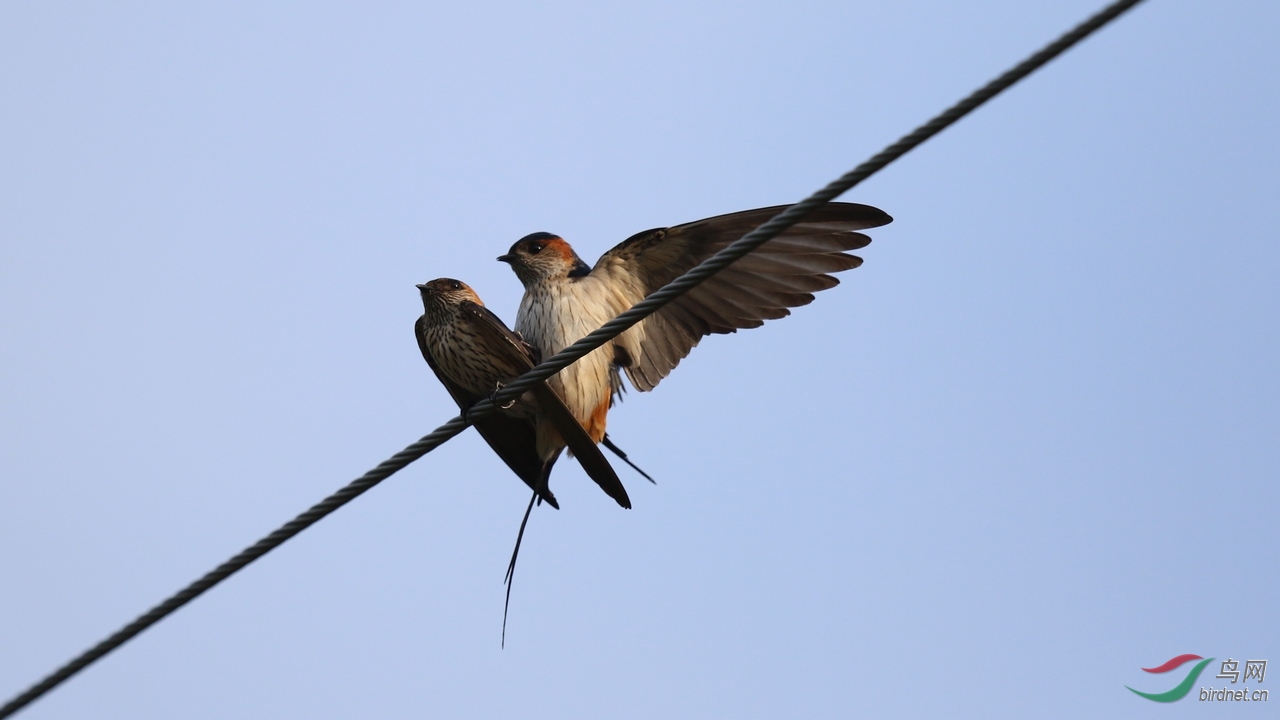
(1183, 687)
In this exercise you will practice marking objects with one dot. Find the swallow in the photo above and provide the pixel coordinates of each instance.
(565, 298)
(474, 354)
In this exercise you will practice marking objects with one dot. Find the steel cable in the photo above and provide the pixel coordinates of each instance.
(577, 350)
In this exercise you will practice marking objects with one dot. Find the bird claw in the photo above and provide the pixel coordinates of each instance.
(493, 398)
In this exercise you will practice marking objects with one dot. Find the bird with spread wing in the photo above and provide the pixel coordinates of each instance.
(566, 299)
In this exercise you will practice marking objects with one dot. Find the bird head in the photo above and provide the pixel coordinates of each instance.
(446, 292)
(543, 256)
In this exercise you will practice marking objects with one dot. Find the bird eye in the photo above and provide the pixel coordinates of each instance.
(455, 285)
(535, 248)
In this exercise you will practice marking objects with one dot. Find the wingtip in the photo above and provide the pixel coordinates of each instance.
(623, 500)
(865, 213)
(878, 216)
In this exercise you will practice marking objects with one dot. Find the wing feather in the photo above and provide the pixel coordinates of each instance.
(782, 273)
(506, 345)
(512, 439)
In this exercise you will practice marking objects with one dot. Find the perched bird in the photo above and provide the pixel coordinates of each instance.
(566, 299)
(474, 355)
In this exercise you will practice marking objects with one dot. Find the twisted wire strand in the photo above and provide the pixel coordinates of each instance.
(577, 350)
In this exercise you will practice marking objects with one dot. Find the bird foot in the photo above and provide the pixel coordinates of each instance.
(493, 398)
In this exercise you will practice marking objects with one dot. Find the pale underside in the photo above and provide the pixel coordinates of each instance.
(781, 274)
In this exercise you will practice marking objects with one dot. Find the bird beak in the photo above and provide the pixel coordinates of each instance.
(422, 287)
(506, 258)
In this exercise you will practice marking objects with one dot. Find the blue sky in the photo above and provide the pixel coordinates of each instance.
(1028, 448)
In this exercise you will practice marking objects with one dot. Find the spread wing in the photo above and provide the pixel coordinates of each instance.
(783, 273)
